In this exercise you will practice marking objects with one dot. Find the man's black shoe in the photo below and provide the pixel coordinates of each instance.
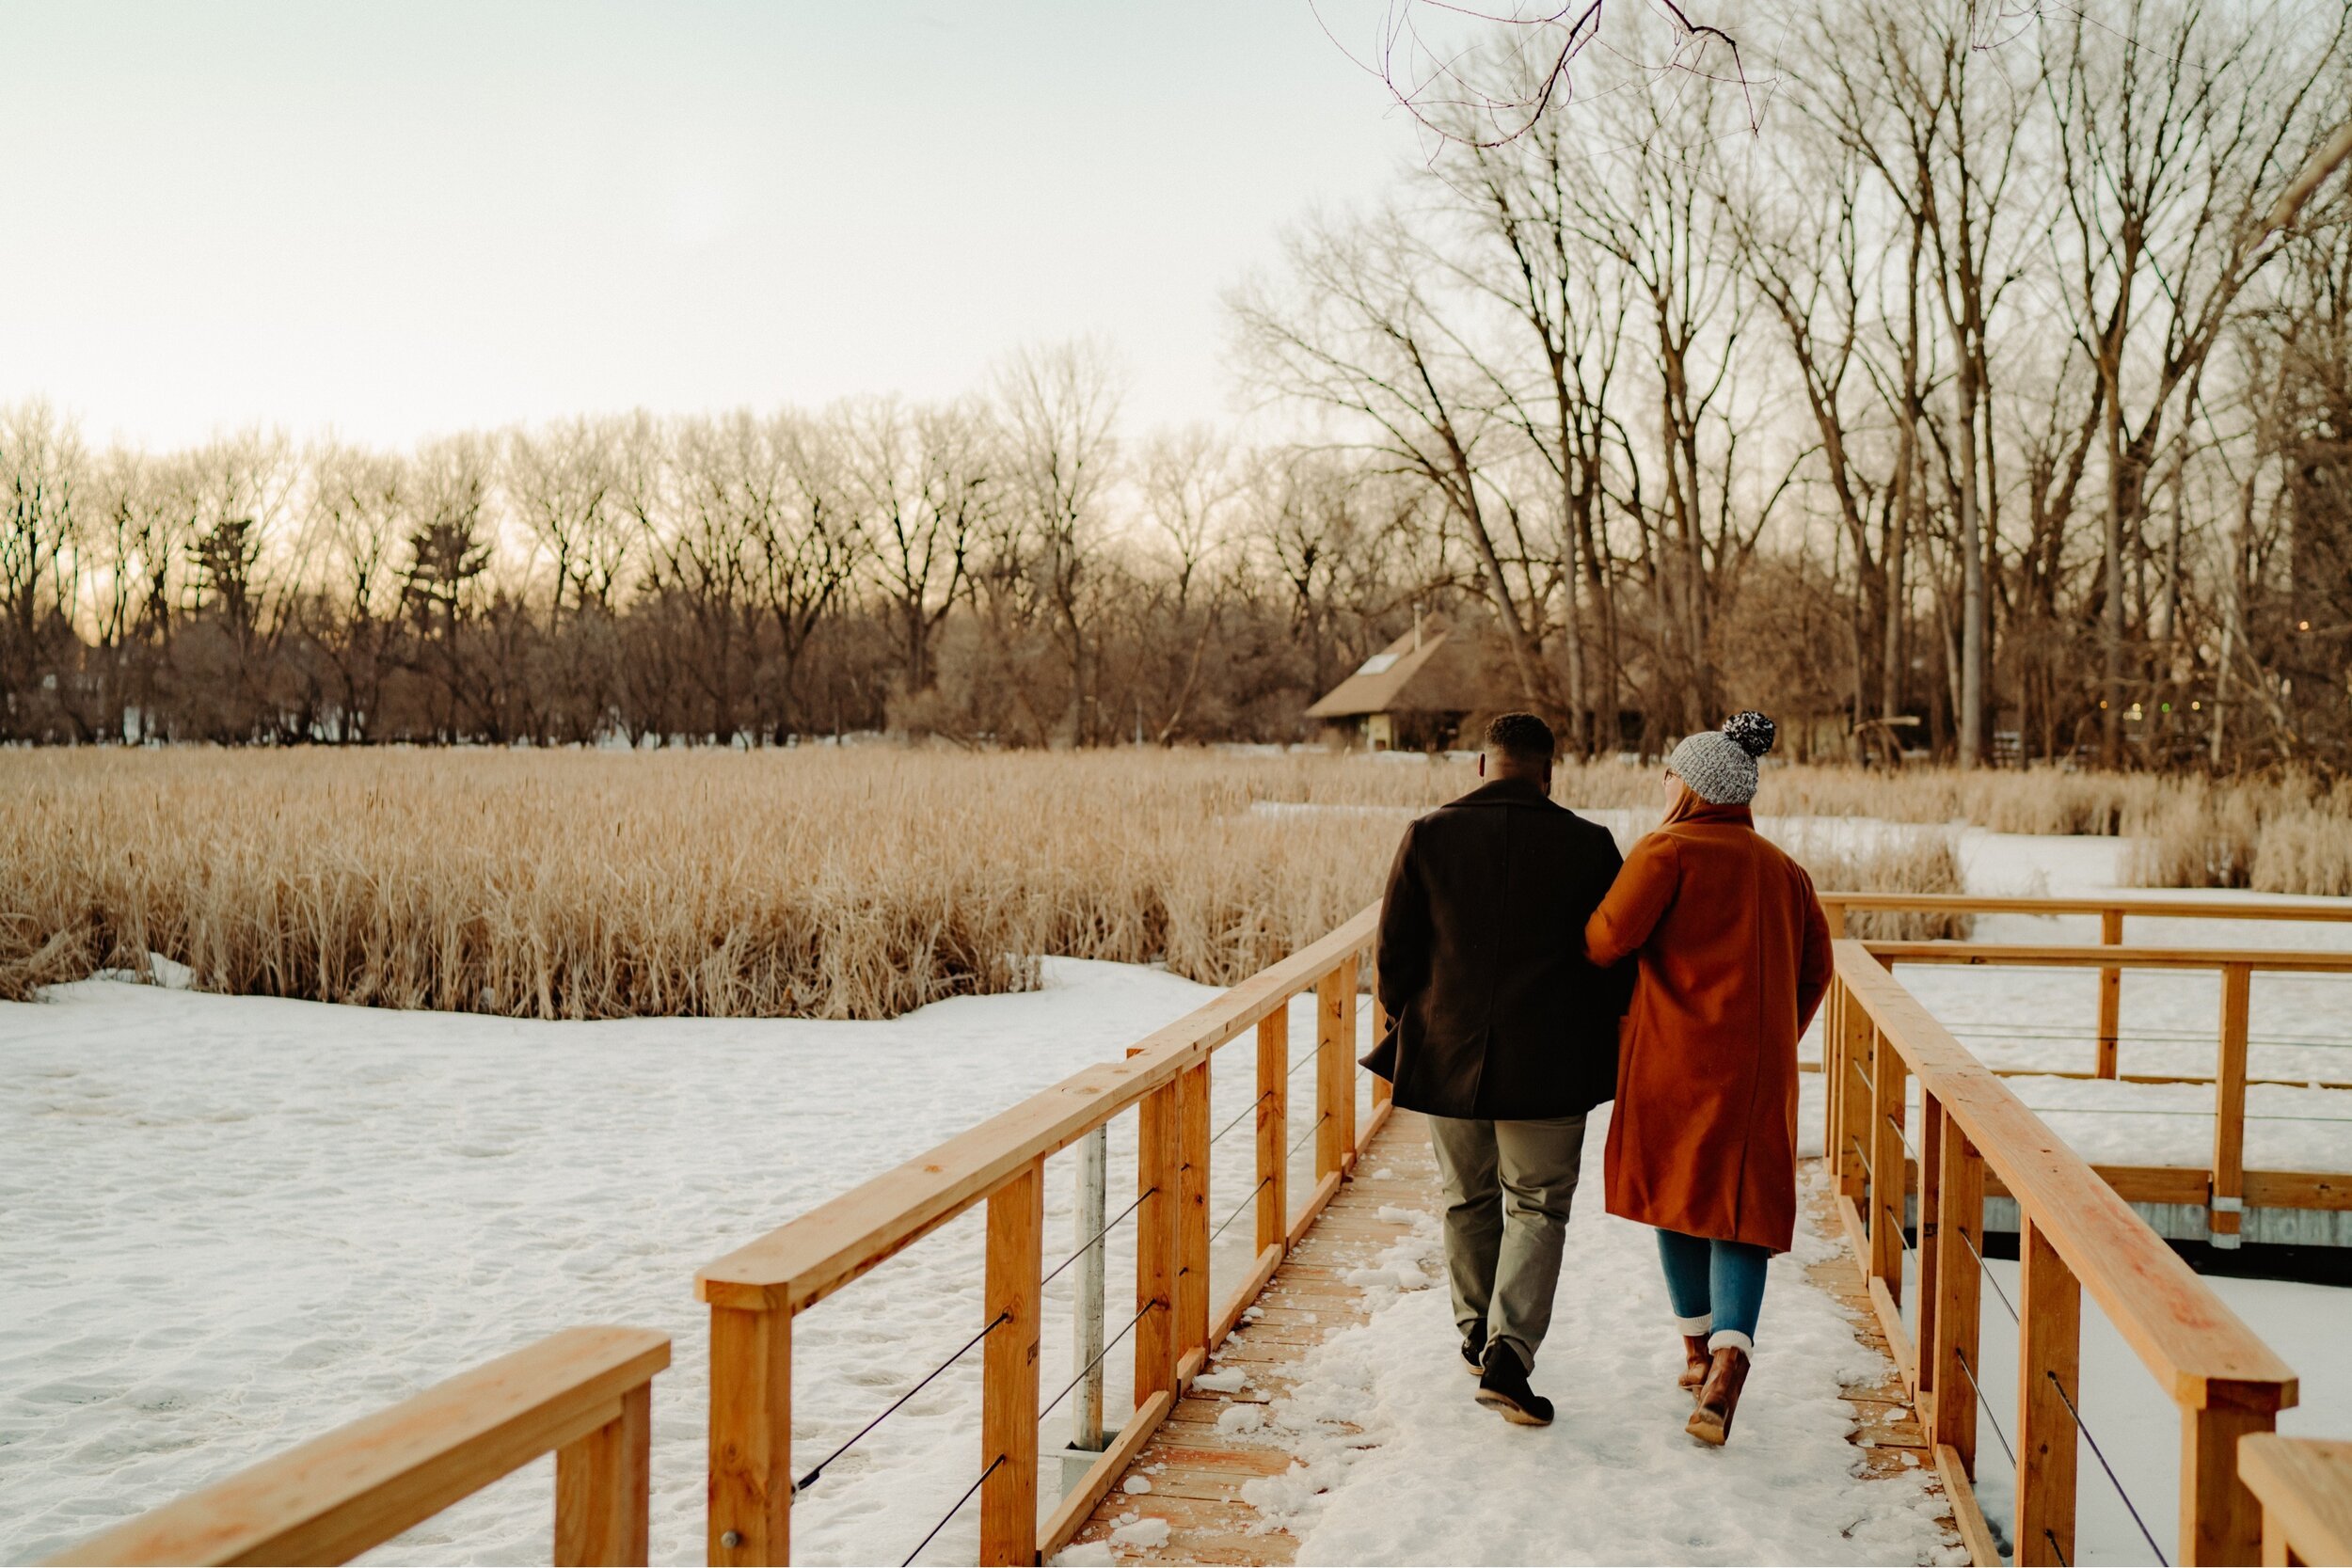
(1503, 1387)
(1474, 1349)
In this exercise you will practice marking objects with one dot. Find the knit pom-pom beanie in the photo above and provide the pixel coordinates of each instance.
(1720, 765)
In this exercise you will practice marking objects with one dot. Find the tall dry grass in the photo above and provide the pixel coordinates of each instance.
(2288, 834)
(851, 883)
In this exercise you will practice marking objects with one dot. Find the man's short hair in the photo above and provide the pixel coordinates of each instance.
(1523, 738)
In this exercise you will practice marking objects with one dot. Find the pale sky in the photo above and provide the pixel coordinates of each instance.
(399, 218)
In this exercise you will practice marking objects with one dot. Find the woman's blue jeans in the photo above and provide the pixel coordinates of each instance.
(1717, 1288)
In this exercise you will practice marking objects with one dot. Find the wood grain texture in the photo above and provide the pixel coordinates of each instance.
(748, 1518)
(2110, 994)
(1192, 1209)
(1158, 1153)
(2049, 1374)
(2220, 1519)
(337, 1496)
(604, 1489)
(1274, 1129)
(2304, 1485)
(1959, 1292)
(2229, 1121)
(1009, 1369)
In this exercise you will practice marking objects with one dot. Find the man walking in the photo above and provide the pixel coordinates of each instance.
(1502, 1035)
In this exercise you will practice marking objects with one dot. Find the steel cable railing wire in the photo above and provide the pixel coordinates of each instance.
(1306, 1137)
(1244, 1117)
(1991, 1278)
(992, 1466)
(1863, 1155)
(1263, 1182)
(1055, 1403)
(2113, 1480)
(1097, 1237)
(809, 1480)
(1986, 1409)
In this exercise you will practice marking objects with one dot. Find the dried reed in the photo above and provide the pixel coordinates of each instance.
(858, 882)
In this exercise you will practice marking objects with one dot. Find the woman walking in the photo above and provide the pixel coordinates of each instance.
(1735, 958)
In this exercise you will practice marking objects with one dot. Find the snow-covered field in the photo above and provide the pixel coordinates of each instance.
(228, 1223)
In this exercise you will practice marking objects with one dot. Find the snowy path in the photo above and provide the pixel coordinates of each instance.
(1431, 1477)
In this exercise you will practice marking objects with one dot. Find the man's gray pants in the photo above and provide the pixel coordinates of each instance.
(1507, 1187)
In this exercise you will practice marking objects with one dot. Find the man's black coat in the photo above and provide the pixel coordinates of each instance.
(1494, 1012)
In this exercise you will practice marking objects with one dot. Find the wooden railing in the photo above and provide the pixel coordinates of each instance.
(2305, 1487)
(586, 1393)
(2225, 1186)
(2111, 913)
(2075, 1234)
(754, 1292)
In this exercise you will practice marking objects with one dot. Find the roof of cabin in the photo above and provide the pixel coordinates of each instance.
(1431, 668)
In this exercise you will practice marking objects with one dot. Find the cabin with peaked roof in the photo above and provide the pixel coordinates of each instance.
(1412, 695)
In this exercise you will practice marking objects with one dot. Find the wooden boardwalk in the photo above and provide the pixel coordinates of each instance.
(1197, 1469)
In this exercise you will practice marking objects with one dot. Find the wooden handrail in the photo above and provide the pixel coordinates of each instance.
(2165, 909)
(2029, 955)
(584, 1393)
(2189, 1340)
(2305, 1487)
(2077, 1234)
(800, 1263)
(754, 1292)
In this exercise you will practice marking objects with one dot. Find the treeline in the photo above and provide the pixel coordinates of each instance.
(1986, 391)
(999, 570)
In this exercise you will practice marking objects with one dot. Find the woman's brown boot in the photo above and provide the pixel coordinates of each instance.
(1718, 1396)
(1694, 1362)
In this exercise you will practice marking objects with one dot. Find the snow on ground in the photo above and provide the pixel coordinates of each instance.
(228, 1223)
(1432, 1476)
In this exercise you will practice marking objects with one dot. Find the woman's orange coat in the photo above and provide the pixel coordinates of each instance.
(1734, 956)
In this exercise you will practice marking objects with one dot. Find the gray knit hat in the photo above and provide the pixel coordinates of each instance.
(1720, 765)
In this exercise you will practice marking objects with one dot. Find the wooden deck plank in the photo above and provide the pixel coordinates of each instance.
(1197, 1472)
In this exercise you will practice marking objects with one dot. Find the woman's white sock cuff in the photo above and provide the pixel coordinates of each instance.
(1731, 1339)
(1693, 1327)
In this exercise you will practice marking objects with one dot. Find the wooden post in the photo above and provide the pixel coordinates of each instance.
(1273, 1126)
(2220, 1520)
(1833, 912)
(2225, 1215)
(1887, 1185)
(1192, 1211)
(2049, 1346)
(1958, 1290)
(1834, 1079)
(1932, 1126)
(1854, 1100)
(1346, 1027)
(1334, 1077)
(603, 1488)
(2110, 992)
(1156, 1160)
(750, 1498)
(1009, 1441)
